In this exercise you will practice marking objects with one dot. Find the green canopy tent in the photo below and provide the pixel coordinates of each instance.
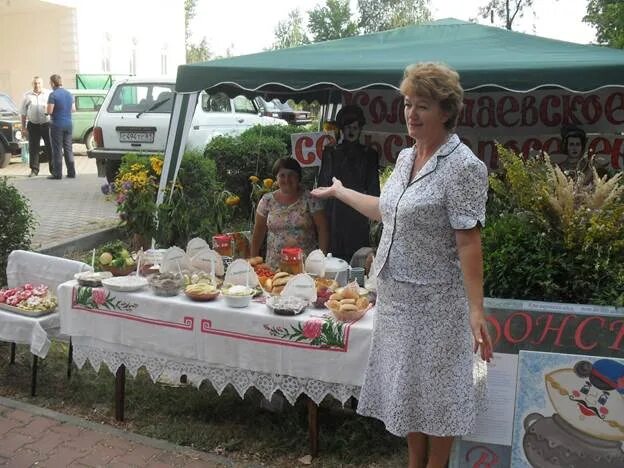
(486, 58)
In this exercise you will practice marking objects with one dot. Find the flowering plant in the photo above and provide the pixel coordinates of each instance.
(136, 187)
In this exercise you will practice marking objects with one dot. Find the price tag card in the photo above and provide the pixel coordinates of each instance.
(195, 245)
(175, 260)
(241, 272)
(301, 285)
(315, 263)
(209, 261)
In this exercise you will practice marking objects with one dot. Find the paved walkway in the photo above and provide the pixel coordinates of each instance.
(65, 209)
(32, 436)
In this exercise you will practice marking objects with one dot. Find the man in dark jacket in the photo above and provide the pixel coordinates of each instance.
(357, 167)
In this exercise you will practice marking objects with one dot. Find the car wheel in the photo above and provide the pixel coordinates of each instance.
(112, 168)
(5, 156)
(89, 141)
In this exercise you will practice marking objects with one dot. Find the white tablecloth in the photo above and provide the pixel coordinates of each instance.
(33, 331)
(310, 353)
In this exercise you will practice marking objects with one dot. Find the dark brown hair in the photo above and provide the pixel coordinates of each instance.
(287, 163)
(56, 80)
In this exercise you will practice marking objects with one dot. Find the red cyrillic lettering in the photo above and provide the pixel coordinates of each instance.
(465, 117)
(378, 110)
(578, 334)
(388, 152)
(323, 141)
(502, 110)
(592, 110)
(548, 116)
(614, 103)
(618, 339)
(528, 327)
(302, 143)
(486, 115)
(547, 328)
(528, 111)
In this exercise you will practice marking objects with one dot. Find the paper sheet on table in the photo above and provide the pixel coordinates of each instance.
(495, 424)
(241, 272)
(206, 259)
(175, 260)
(195, 245)
(301, 285)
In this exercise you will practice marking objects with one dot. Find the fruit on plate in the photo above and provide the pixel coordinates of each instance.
(115, 257)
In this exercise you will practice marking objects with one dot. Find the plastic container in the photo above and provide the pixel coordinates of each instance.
(223, 244)
(291, 260)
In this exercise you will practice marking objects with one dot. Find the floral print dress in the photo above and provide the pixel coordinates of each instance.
(422, 375)
(289, 225)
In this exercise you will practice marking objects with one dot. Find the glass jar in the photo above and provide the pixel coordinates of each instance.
(223, 244)
(291, 260)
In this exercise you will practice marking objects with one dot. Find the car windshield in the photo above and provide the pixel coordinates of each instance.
(269, 106)
(142, 97)
(6, 105)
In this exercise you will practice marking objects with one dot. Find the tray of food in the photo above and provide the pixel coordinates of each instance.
(92, 279)
(28, 300)
(347, 305)
(286, 305)
(201, 292)
(125, 283)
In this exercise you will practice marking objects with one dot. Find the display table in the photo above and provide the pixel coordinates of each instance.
(310, 354)
(33, 331)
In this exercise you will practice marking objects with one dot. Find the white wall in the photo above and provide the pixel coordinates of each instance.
(42, 37)
(36, 44)
(151, 25)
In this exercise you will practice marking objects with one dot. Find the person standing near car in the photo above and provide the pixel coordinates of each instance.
(35, 124)
(60, 108)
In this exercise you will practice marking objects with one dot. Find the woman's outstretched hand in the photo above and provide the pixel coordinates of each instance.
(328, 192)
(482, 340)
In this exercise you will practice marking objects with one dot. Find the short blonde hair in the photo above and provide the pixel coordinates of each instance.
(437, 82)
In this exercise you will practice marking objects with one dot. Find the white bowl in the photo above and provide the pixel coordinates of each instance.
(237, 301)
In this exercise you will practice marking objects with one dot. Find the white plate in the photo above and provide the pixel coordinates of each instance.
(125, 283)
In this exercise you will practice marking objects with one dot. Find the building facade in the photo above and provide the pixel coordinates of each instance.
(69, 37)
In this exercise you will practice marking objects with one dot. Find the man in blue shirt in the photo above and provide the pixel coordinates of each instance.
(60, 108)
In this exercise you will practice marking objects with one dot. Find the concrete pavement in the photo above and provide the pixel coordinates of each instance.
(65, 209)
(31, 436)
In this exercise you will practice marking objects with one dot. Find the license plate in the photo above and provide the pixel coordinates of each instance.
(136, 137)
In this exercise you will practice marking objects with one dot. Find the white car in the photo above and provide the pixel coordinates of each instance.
(134, 118)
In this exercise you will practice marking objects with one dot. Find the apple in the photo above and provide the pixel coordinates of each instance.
(106, 258)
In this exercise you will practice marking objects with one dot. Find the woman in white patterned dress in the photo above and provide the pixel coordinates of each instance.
(426, 372)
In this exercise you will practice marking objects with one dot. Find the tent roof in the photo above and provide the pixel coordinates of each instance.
(485, 56)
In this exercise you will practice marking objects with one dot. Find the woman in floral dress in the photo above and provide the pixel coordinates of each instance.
(424, 380)
(289, 216)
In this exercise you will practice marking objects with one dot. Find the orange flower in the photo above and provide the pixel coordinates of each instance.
(253, 179)
(268, 183)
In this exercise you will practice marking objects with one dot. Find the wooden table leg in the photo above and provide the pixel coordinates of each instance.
(120, 392)
(12, 358)
(33, 381)
(313, 427)
(70, 359)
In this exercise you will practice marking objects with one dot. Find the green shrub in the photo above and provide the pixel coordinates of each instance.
(18, 224)
(238, 158)
(197, 206)
(553, 236)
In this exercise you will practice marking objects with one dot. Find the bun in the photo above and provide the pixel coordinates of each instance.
(362, 302)
(349, 293)
(281, 274)
(335, 297)
(333, 305)
(280, 281)
(268, 284)
(348, 301)
(277, 290)
(347, 307)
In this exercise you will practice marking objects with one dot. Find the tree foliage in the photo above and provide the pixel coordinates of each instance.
(194, 52)
(332, 21)
(505, 10)
(381, 15)
(607, 16)
(290, 32)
